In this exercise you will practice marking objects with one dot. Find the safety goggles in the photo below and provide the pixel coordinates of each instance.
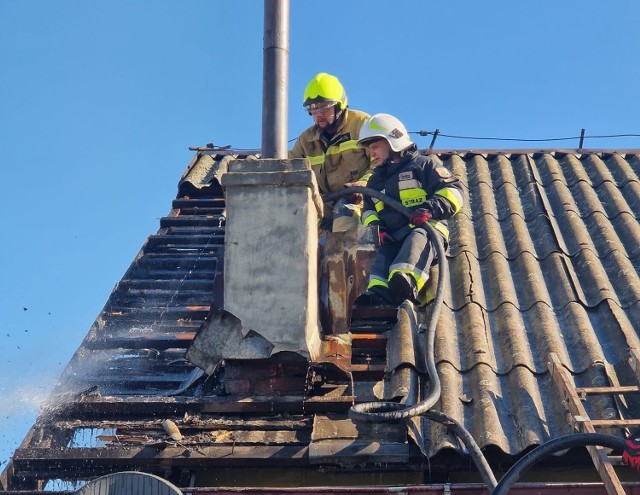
(320, 107)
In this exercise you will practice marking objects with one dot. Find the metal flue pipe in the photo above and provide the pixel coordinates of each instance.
(275, 79)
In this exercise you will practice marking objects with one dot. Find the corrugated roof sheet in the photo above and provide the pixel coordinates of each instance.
(545, 257)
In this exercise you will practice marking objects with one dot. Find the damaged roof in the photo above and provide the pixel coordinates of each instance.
(544, 260)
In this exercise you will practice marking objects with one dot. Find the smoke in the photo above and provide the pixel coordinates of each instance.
(20, 403)
(26, 396)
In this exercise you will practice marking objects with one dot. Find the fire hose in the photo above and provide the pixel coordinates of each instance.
(551, 447)
(389, 411)
(392, 411)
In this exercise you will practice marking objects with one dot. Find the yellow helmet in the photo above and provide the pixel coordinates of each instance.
(325, 87)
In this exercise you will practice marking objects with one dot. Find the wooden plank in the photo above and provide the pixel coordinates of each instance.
(368, 340)
(94, 407)
(191, 230)
(198, 203)
(344, 451)
(83, 460)
(206, 437)
(566, 387)
(376, 318)
(190, 221)
(619, 423)
(197, 239)
(180, 340)
(373, 369)
(215, 210)
(172, 285)
(327, 428)
(367, 371)
(183, 245)
(162, 377)
(607, 390)
(214, 236)
(193, 423)
(634, 362)
(155, 261)
(151, 314)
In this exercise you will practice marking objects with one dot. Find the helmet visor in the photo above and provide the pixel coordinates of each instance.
(365, 142)
(321, 107)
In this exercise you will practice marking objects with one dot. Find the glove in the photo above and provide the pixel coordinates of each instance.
(354, 198)
(420, 217)
(384, 237)
(631, 454)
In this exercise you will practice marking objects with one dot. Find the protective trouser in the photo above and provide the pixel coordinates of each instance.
(412, 255)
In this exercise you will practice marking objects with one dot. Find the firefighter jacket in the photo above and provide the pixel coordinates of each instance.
(416, 181)
(336, 161)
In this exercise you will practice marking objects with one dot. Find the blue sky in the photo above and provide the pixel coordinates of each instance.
(100, 101)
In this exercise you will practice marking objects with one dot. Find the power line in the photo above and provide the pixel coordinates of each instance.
(437, 134)
(523, 140)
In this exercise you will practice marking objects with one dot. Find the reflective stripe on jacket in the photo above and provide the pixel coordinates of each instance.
(338, 161)
(416, 181)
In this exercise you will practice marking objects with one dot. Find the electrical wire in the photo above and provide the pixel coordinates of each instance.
(437, 134)
(523, 140)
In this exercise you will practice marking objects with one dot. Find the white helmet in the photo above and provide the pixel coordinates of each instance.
(383, 125)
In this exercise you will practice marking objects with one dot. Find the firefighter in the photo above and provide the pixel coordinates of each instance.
(421, 183)
(331, 147)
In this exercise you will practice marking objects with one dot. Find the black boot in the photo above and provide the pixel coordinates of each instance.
(403, 286)
(375, 296)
